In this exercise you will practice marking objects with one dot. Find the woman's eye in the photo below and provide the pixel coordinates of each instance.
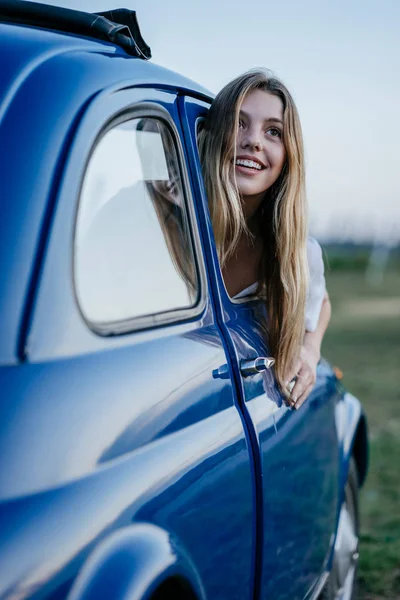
(274, 132)
(241, 124)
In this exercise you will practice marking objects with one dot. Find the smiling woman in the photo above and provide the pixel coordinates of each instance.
(254, 175)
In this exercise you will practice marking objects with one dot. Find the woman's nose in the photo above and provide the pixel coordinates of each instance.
(252, 140)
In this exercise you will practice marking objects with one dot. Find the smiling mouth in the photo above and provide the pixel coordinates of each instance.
(249, 164)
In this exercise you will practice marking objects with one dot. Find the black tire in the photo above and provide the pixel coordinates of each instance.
(332, 585)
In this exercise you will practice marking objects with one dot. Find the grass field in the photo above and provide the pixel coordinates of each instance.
(363, 339)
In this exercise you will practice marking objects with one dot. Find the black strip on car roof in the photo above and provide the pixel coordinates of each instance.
(118, 26)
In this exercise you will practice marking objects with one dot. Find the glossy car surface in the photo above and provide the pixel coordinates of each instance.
(136, 460)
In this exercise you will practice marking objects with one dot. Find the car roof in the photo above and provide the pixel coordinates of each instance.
(62, 68)
(23, 46)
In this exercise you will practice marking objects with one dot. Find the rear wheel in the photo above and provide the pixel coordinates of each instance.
(173, 588)
(342, 581)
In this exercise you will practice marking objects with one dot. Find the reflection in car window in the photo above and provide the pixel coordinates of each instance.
(133, 250)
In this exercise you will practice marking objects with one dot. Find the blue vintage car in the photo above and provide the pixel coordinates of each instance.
(145, 449)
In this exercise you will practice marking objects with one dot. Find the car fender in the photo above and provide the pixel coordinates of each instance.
(352, 427)
(131, 564)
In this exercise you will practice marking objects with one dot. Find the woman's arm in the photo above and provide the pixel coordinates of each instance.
(313, 339)
(306, 368)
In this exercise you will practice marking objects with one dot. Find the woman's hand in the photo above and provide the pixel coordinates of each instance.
(304, 372)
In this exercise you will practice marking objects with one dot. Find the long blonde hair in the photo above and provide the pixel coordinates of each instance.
(284, 270)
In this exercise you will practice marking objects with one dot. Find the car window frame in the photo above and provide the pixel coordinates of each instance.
(168, 317)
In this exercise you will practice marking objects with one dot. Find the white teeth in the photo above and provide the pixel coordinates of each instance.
(244, 162)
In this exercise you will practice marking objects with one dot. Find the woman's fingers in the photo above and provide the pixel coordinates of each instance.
(302, 383)
(300, 401)
(303, 386)
(302, 378)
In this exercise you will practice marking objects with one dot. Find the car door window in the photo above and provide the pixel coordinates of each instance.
(133, 249)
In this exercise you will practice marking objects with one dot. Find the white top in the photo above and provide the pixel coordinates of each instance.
(316, 286)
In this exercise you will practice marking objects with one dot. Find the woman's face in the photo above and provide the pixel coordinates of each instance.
(260, 152)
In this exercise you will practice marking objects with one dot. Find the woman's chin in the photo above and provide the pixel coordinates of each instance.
(247, 190)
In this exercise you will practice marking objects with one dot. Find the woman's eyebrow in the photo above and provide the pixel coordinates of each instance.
(243, 113)
(274, 120)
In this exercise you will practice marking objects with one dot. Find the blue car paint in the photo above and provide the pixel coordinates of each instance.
(90, 447)
(132, 563)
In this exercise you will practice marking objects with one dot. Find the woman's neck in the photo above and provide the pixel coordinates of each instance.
(254, 224)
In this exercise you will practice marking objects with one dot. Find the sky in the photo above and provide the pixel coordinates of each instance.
(341, 61)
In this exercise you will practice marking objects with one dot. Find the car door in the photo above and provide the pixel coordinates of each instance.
(300, 467)
(120, 418)
(297, 451)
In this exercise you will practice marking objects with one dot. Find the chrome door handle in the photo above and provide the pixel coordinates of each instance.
(221, 373)
(252, 366)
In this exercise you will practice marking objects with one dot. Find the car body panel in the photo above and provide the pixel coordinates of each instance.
(174, 481)
(133, 562)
